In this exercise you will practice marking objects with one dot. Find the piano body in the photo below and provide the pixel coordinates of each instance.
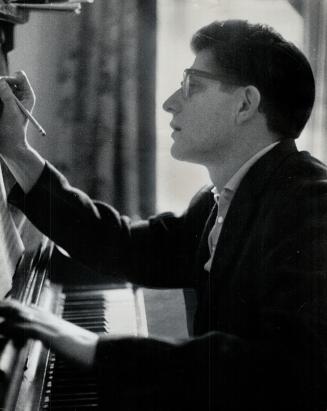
(31, 377)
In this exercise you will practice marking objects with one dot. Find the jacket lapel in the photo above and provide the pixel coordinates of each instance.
(242, 210)
(203, 250)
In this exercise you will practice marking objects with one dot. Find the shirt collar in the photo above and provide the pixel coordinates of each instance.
(236, 179)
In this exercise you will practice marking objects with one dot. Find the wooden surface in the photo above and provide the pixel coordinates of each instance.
(165, 312)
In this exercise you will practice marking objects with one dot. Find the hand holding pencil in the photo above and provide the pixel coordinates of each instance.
(13, 122)
(24, 97)
(23, 161)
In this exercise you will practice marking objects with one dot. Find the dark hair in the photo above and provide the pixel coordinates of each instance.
(255, 54)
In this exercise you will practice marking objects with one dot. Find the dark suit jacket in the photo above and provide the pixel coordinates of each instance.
(260, 326)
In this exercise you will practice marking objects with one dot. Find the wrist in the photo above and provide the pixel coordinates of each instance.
(17, 152)
(26, 165)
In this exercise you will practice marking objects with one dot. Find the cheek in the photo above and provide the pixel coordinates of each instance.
(201, 116)
(208, 122)
(208, 115)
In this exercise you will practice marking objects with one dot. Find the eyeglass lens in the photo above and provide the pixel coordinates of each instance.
(186, 84)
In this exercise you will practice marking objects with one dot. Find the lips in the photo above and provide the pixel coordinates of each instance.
(175, 127)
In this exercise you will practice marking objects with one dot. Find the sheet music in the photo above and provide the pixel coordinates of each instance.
(51, 5)
(11, 245)
(75, 7)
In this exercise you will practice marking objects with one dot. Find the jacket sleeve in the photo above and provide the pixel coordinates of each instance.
(279, 363)
(216, 371)
(152, 252)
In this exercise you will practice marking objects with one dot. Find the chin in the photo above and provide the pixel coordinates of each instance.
(177, 153)
(182, 155)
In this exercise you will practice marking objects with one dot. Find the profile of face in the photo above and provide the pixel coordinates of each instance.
(204, 120)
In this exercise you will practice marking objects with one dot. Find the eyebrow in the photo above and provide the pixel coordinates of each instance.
(205, 74)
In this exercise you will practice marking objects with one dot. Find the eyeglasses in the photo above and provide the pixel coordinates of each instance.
(187, 77)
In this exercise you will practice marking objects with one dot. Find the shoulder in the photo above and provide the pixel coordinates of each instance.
(297, 192)
(305, 165)
(305, 174)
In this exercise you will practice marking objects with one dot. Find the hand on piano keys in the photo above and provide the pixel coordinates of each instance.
(21, 322)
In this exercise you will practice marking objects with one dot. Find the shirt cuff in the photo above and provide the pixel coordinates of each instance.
(17, 197)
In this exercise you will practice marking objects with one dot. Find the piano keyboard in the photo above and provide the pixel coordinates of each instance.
(114, 311)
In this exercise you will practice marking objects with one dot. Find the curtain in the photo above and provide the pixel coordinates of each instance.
(105, 119)
(314, 13)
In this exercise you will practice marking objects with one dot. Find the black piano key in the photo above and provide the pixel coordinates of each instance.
(62, 380)
(72, 407)
(67, 398)
(83, 304)
(85, 297)
(76, 395)
(74, 316)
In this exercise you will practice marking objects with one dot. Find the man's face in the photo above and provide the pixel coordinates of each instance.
(203, 123)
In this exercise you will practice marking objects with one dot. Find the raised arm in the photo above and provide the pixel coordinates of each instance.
(154, 253)
(23, 161)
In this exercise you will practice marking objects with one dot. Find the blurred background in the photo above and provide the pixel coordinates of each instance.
(101, 78)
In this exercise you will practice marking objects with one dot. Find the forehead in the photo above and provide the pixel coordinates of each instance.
(204, 60)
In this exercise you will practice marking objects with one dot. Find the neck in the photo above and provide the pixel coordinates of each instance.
(222, 170)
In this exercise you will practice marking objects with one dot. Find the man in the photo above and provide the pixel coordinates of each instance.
(254, 249)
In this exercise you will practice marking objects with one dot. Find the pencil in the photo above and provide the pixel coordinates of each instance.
(30, 117)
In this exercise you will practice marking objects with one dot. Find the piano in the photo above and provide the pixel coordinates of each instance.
(32, 377)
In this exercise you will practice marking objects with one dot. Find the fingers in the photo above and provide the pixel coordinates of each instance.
(14, 329)
(14, 311)
(9, 109)
(6, 93)
(15, 314)
(22, 88)
(22, 321)
(18, 82)
(22, 331)
(71, 341)
(22, 80)
(10, 309)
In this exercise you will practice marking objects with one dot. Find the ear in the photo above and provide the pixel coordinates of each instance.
(248, 104)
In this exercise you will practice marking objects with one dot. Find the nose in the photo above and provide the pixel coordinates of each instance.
(173, 103)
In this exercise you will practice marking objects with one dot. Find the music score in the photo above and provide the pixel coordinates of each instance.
(10, 13)
(17, 10)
